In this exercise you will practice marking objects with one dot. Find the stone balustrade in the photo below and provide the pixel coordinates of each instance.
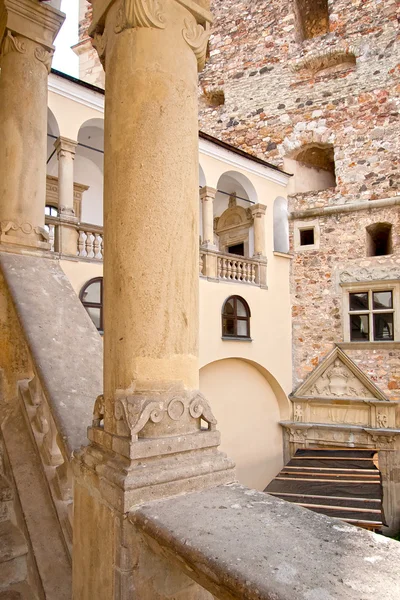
(52, 451)
(90, 242)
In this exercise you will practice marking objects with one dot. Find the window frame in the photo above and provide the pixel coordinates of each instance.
(370, 287)
(235, 317)
(99, 305)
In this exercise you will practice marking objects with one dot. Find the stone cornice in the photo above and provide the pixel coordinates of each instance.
(37, 22)
(344, 208)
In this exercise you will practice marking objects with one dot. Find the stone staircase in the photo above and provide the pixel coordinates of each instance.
(14, 552)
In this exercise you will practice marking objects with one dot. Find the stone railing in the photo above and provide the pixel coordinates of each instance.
(219, 266)
(90, 242)
(52, 451)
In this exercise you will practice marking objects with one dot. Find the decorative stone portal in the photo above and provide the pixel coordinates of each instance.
(338, 406)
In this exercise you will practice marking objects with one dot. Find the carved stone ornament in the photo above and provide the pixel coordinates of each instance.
(134, 412)
(381, 420)
(298, 436)
(338, 377)
(7, 227)
(139, 13)
(98, 411)
(99, 42)
(44, 56)
(298, 413)
(12, 43)
(374, 274)
(196, 36)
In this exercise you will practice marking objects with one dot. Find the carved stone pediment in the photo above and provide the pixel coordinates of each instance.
(339, 377)
(236, 216)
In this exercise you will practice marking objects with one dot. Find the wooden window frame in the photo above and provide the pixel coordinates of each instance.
(369, 288)
(94, 304)
(235, 317)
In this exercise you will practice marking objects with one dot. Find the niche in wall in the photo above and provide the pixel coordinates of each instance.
(379, 239)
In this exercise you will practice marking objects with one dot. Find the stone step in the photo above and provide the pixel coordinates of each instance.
(13, 551)
(6, 499)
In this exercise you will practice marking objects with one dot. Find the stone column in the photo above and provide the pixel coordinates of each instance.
(258, 213)
(207, 196)
(27, 32)
(66, 240)
(147, 438)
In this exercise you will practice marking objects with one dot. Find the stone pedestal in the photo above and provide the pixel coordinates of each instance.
(153, 433)
(27, 32)
(258, 212)
(66, 239)
(207, 196)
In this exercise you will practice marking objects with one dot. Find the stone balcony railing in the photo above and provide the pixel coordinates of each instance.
(213, 265)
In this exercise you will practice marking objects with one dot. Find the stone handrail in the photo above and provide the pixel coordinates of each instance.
(58, 400)
(247, 545)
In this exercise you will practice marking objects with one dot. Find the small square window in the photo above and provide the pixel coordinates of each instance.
(307, 237)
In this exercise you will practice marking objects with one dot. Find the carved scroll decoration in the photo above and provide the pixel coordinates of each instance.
(44, 56)
(12, 43)
(196, 36)
(26, 228)
(99, 42)
(134, 412)
(98, 411)
(139, 13)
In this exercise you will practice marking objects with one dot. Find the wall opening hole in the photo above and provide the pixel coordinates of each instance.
(237, 249)
(307, 237)
(312, 17)
(379, 239)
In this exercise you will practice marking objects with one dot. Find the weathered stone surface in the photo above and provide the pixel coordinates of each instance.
(64, 344)
(265, 548)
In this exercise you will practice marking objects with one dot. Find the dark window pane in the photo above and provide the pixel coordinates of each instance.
(306, 237)
(242, 328)
(94, 314)
(92, 293)
(228, 327)
(228, 309)
(359, 301)
(383, 326)
(359, 328)
(241, 309)
(383, 300)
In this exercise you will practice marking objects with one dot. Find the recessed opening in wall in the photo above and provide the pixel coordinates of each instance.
(307, 237)
(379, 239)
(237, 249)
(312, 17)
(213, 97)
(314, 167)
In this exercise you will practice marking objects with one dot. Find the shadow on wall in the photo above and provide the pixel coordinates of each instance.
(248, 403)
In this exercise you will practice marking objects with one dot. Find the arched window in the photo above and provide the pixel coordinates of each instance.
(236, 318)
(91, 297)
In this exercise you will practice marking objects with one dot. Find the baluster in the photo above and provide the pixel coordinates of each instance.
(235, 270)
(223, 268)
(253, 273)
(51, 450)
(245, 272)
(51, 236)
(89, 244)
(201, 263)
(240, 270)
(82, 243)
(97, 246)
(228, 269)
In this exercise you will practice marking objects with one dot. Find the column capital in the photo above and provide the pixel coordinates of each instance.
(134, 14)
(24, 20)
(207, 193)
(258, 210)
(65, 146)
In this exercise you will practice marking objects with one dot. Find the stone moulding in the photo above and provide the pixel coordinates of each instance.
(196, 36)
(133, 413)
(383, 273)
(324, 59)
(338, 376)
(24, 233)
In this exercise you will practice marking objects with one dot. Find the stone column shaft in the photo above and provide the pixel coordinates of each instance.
(207, 195)
(151, 202)
(258, 212)
(26, 50)
(66, 239)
